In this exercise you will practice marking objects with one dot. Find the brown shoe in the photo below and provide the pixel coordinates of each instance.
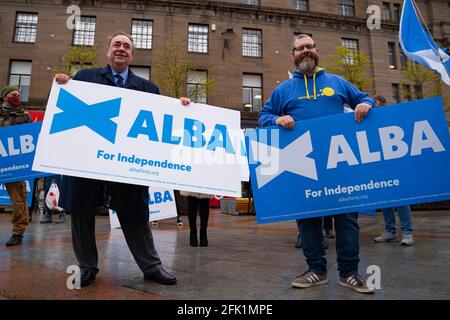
(309, 279)
(356, 283)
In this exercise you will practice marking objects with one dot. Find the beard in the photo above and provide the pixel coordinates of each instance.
(307, 62)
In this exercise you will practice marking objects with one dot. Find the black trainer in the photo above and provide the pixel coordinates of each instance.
(15, 240)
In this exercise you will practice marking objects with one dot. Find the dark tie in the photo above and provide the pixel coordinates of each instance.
(119, 81)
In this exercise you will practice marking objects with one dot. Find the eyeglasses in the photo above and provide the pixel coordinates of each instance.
(308, 46)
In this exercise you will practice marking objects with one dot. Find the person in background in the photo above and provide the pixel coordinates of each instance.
(328, 227)
(13, 113)
(176, 192)
(379, 100)
(197, 202)
(404, 212)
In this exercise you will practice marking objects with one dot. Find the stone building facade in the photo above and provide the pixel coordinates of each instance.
(244, 44)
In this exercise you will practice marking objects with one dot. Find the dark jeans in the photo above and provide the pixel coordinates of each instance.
(327, 223)
(347, 244)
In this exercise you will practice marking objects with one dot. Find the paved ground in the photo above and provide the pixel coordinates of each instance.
(244, 260)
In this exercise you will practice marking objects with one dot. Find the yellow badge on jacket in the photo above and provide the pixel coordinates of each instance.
(329, 92)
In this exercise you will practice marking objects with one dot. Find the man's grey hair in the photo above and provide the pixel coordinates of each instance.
(301, 36)
(120, 33)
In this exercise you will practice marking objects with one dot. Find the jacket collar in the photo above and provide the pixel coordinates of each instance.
(131, 81)
(297, 74)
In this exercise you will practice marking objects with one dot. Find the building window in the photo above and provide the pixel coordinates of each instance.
(252, 43)
(402, 59)
(196, 86)
(392, 55)
(350, 44)
(395, 93)
(26, 27)
(253, 2)
(407, 92)
(300, 5)
(143, 72)
(142, 31)
(84, 32)
(252, 92)
(396, 12)
(198, 38)
(418, 94)
(347, 8)
(386, 11)
(20, 75)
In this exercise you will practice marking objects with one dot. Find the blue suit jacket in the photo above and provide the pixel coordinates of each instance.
(104, 76)
(86, 195)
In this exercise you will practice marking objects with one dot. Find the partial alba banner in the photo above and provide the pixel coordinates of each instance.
(17, 148)
(116, 134)
(243, 160)
(161, 204)
(5, 200)
(399, 155)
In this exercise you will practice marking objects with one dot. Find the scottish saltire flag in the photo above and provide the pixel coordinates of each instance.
(417, 44)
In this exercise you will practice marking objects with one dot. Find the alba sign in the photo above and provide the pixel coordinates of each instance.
(116, 134)
(398, 155)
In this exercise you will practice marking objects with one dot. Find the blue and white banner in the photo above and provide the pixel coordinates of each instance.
(121, 135)
(418, 45)
(161, 204)
(5, 199)
(17, 148)
(398, 155)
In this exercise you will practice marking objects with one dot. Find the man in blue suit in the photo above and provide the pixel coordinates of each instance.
(83, 196)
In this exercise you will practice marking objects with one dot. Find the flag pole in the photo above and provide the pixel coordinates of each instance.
(426, 27)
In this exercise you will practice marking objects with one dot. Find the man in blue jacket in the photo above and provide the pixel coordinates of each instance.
(313, 93)
(83, 196)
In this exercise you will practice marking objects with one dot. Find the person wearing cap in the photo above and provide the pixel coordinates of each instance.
(379, 100)
(12, 113)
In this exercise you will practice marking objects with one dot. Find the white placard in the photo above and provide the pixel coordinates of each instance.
(161, 204)
(115, 134)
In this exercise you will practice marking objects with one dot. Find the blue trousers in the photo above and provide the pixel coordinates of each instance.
(404, 213)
